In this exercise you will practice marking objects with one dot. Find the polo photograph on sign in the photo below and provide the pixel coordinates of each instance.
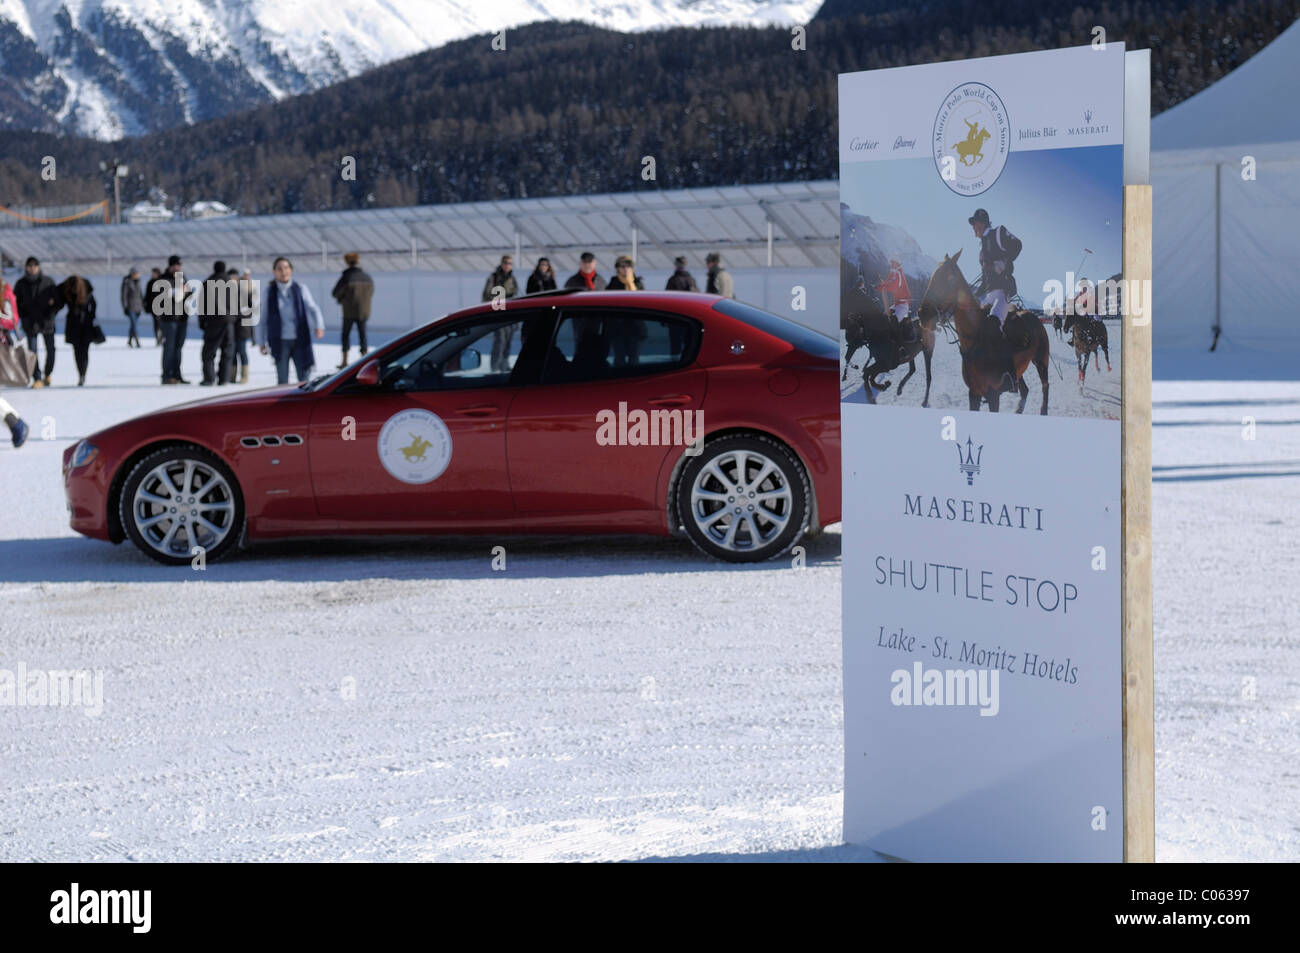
(984, 271)
(981, 598)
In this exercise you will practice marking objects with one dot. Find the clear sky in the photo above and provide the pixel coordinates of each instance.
(1056, 201)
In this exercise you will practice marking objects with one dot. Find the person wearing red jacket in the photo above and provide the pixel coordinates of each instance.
(894, 286)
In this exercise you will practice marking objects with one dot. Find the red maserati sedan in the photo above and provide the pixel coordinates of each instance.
(563, 412)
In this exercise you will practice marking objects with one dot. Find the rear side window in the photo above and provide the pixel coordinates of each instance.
(594, 344)
(792, 332)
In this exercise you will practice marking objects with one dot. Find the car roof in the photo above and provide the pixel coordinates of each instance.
(669, 300)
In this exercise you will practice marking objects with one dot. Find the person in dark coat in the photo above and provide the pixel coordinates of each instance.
(218, 313)
(175, 299)
(625, 334)
(681, 279)
(147, 298)
(502, 278)
(542, 278)
(132, 305)
(37, 305)
(586, 278)
(80, 329)
(625, 276)
(243, 324)
(354, 291)
(997, 285)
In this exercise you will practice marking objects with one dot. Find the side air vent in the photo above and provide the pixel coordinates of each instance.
(292, 440)
(250, 441)
(270, 441)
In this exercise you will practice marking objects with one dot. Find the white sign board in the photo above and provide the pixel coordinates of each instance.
(981, 206)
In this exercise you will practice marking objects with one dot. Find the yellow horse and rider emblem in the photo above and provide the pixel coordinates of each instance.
(416, 450)
(971, 149)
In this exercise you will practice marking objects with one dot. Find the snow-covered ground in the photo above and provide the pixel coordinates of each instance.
(603, 699)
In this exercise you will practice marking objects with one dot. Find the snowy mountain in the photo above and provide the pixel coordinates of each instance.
(113, 68)
(866, 247)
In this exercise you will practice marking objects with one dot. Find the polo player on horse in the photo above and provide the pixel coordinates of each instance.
(997, 285)
(894, 287)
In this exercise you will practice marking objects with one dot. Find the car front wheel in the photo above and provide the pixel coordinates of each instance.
(182, 502)
(744, 499)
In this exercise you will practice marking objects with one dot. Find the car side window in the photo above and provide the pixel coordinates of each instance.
(483, 354)
(596, 344)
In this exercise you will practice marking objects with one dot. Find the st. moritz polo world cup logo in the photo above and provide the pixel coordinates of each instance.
(972, 137)
(415, 446)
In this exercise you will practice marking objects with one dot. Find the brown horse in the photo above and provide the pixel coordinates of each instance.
(867, 325)
(1089, 337)
(922, 344)
(981, 366)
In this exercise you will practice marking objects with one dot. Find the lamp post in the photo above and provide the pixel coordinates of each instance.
(118, 171)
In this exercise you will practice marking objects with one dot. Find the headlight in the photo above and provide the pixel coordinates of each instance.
(85, 452)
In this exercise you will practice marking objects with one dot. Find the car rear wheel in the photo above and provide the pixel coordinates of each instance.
(180, 501)
(744, 499)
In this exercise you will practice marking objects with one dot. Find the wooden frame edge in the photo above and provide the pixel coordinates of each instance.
(1137, 645)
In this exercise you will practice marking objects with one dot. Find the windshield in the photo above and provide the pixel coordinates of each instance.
(316, 383)
(327, 380)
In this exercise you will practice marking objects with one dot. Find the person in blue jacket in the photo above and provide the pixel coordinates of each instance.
(290, 318)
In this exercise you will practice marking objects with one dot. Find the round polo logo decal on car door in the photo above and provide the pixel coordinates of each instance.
(415, 446)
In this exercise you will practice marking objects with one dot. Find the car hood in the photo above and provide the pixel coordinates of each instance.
(250, 400)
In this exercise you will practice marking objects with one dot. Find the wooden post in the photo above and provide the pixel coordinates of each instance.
(1138, 651)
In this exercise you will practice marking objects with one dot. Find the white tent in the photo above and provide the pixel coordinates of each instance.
(1225, 170)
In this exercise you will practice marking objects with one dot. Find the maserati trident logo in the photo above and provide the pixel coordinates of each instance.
(1087, 116)
(970, 461)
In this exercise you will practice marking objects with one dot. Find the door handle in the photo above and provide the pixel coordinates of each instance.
(671, 400)
(477, 410)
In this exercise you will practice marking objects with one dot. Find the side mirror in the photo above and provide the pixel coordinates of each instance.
(368, 376)
(470, 359)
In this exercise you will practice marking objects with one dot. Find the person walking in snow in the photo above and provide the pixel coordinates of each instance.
(132, 305)
(36, 296)
(290, 318)
(81, 328)
(354, 291)
(248, 304)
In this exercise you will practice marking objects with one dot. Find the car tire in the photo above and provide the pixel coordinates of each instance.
(179, 498)
(744, 516)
